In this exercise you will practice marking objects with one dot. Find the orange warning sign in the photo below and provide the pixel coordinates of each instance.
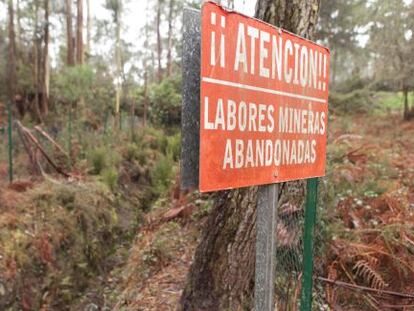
(264, 103)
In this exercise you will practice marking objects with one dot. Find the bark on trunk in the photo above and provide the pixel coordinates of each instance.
(11, 53)
(18, 31)
(145, 63)
(46, 77)
(36, 65)
(88, 28)
(79, 33)
(118, 63)
(222, 274)
(170, 35)
(69, 34)
(159, 43)
(145, 97)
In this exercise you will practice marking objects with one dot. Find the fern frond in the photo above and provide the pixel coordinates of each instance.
(363, 269)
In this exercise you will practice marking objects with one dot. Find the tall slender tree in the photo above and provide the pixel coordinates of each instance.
(45, 62)
(69, 33)
(222, 274)
(118, 58)
(36, 63)
(170, 36)
(18, 27)
(392, 47)
(88, 28)
(11, 65)
(79, 32)
(159, 39)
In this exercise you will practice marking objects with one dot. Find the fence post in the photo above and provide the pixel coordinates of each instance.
(308, 242)
(106, 121)
(10, 140)
(70, 135)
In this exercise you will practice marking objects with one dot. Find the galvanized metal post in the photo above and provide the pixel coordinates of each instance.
(190, 113)
(266, 247)
(10, 140)
(308, 242)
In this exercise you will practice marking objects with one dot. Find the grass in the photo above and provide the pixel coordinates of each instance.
(392, 100)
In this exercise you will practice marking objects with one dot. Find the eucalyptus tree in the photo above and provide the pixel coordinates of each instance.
(391, 43)
(340, 23)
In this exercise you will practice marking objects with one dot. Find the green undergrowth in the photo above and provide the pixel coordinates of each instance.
(54, 238)
(393, 100)
(366, 101)
(57, 236)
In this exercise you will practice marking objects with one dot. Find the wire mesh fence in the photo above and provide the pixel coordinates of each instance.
(25, 150)
(290, 249)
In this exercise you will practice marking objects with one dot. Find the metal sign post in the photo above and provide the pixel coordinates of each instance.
(266, 247)
(190, 121)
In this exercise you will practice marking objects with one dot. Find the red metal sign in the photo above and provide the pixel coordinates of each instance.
(264, 103)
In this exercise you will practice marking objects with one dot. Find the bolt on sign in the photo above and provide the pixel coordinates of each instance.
(264, 103)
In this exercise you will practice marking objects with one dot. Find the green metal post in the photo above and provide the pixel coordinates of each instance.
(106, 121)
(10, 139)
(308, 241)
(132, 124)
(70, 136)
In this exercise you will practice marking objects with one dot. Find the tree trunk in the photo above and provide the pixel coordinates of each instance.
(334, 68)
(159, 43)
(88, 28)
(45, 62)
(170, 39)
(79, 33)
(118, 62)
(222, 274)
(145, 64)
(407, 113)
(18, 31)
(36, 65)
(69, 34)
(145, 97)
(11, 63)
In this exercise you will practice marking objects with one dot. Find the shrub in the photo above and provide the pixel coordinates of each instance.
(98, 160)
(75, 82)
(103, 158)
(110, 177)
(174, 147)
(353, 102)
(132, 152)
(155, 139)
(161, 174)
(165, 100)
